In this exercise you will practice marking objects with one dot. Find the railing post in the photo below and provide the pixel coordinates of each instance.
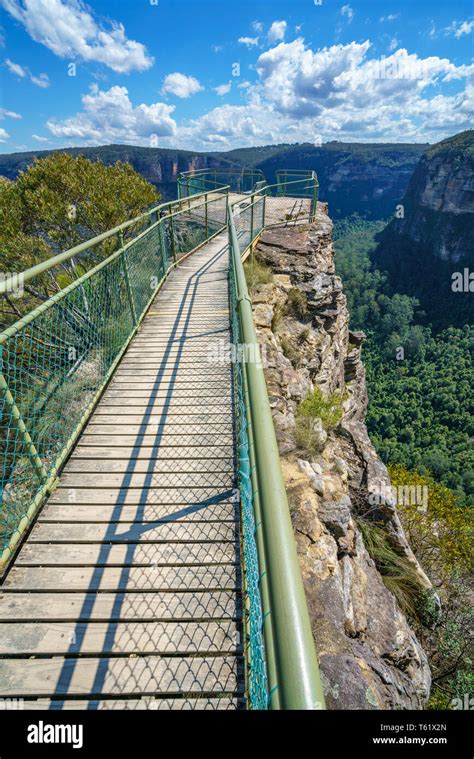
(173, 243)
(33, 454)
(251, 219)
(164, 257)
(127, 279)
(207, 218)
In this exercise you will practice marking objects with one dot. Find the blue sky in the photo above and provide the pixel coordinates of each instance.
(214, 75)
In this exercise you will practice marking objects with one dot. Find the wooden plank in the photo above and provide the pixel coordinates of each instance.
(189, 322)
(116, 606)
(161, 455)
(171, 368)
(111, 439)
(147, 675)
(168, 396)
(132, 479)
(99, 638)
(183, 350)
(133, 532)
(73, 512)
(171, 387)
(181, 499)
(173, 406)
(220, 422)
(137, 704)
(170, 429)
(144, 555)
(150, 380)
(125, 462)
(221, 481)
(88, 579)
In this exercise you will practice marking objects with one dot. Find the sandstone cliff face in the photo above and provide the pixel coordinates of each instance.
(369, 656)
(434, 237)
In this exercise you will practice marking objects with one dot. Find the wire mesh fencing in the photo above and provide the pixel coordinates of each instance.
(238, 180)
(249, 219)
(256, 673)
(55, 361)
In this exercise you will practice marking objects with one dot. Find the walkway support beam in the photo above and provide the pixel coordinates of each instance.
(299, 683)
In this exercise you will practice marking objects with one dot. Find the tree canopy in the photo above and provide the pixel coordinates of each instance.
(57, 203)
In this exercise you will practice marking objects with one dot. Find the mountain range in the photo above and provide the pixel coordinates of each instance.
(368, 179)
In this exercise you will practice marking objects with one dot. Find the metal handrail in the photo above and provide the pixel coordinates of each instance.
(7, 284)
(295, 662)
(208, 177)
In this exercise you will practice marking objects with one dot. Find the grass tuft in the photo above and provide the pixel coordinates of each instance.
(256, 273)
(398, 575)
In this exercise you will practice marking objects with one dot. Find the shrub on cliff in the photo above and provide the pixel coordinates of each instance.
(440, 534)
(316, 415)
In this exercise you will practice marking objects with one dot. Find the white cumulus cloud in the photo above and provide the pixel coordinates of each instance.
(346, 10)
(5, 114)
(15, 68)
(277, 31)
(300, 94)
(110, 116)
(4, 136)
(68, 28)
(41, 81)
(459, 28)
(181, 85)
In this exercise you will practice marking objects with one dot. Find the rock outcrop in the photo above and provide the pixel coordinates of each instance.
(369, 656)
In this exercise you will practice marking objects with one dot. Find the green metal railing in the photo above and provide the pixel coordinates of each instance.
(239, 180)
(56, 361)
(301, 185)
(285, 637)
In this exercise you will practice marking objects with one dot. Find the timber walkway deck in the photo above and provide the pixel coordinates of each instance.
(127, 592)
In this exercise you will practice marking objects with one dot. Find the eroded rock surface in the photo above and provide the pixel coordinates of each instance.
(369, 656)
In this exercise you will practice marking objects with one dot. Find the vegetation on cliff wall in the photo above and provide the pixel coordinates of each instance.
(440, 533)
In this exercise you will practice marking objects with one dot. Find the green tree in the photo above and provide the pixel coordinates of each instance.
(57, 203)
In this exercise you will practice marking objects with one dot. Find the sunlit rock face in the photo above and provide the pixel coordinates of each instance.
(369, 656)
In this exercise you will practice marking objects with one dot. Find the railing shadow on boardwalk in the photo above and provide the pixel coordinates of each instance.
(166, 667)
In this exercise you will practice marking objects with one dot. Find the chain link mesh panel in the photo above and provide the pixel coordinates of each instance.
(249, 220)
(256, 674)
(55, 362)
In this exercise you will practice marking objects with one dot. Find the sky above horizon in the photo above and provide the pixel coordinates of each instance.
(215, 75)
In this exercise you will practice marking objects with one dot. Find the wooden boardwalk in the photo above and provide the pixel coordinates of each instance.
(127, 592)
